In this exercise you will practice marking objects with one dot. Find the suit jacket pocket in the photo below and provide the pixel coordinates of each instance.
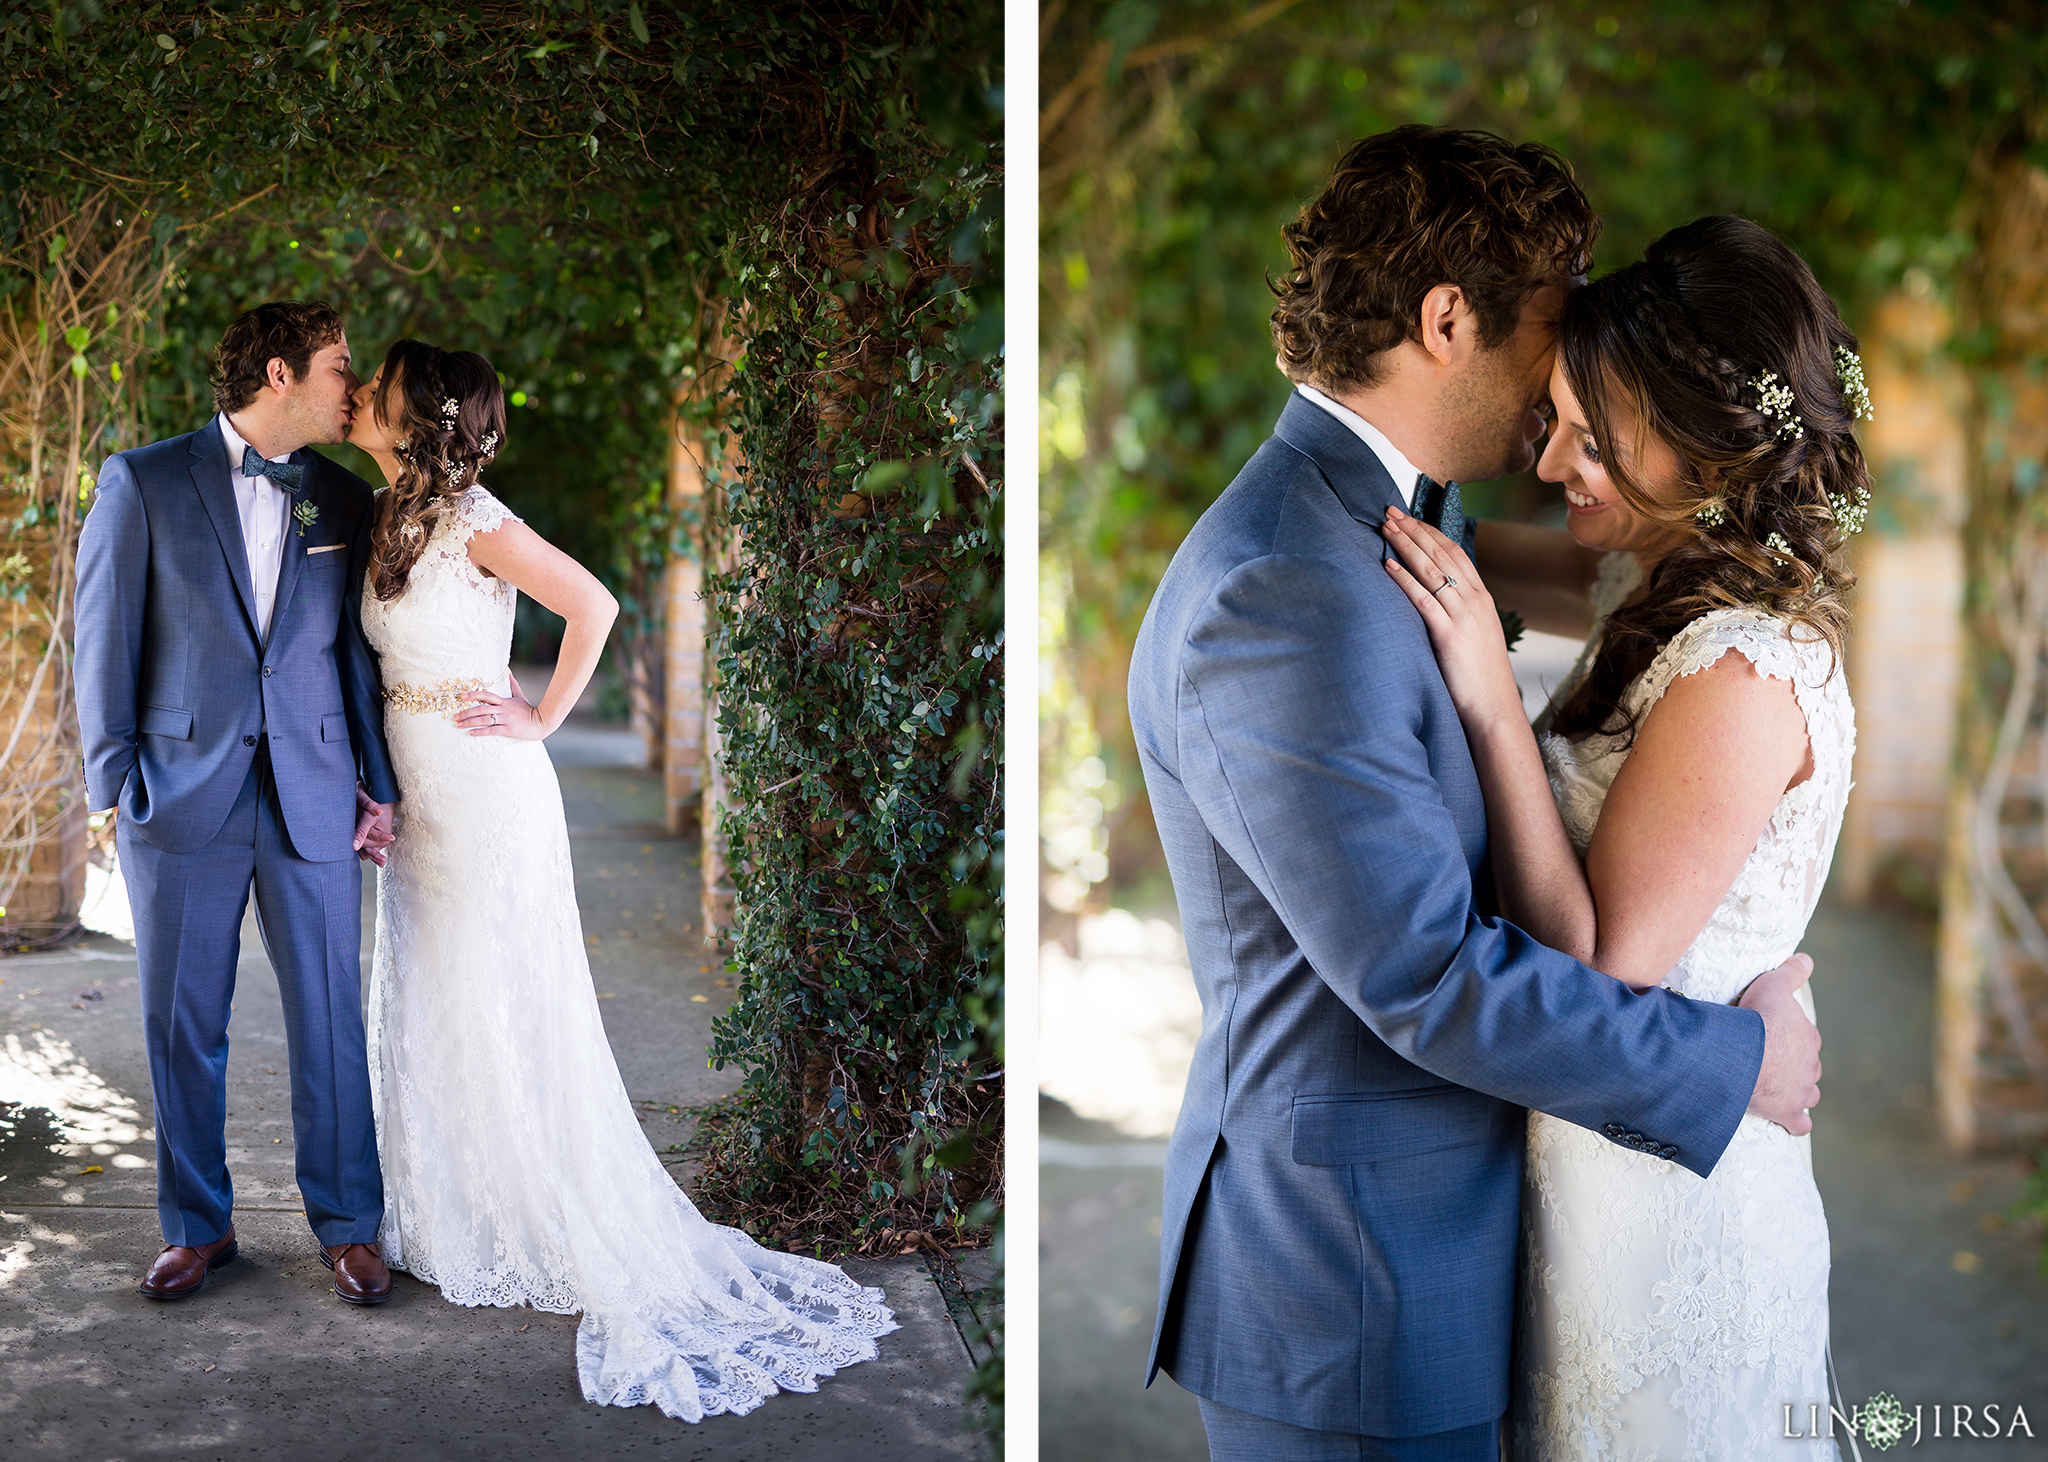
(334, 727)
(164, 721)
(1342, 1128)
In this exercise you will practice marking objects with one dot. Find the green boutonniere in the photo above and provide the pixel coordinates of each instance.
(306, 514)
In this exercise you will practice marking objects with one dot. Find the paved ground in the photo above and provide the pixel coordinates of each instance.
(266, 1363)
(1932, 1297)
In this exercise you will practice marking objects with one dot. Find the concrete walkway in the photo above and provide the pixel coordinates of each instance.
(1933, 1297)
(266, 1363)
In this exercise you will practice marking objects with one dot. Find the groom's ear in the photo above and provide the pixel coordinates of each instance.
(276, 374)
(1449, 329)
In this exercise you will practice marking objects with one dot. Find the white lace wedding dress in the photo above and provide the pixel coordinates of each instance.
(515, 1171)
(1663, 1315)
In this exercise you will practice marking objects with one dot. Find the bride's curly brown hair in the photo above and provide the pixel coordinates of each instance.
(446, 414)
(1675, 344)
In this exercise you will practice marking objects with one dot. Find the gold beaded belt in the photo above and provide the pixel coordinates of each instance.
(443, 695)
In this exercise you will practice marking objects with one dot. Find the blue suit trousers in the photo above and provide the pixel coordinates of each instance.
(1238, 1436)
(188, 911)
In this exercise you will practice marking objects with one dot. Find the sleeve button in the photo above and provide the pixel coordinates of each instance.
(248, 741)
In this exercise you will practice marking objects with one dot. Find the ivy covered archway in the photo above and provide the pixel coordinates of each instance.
(756, 238)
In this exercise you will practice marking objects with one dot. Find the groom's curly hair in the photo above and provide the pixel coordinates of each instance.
(1409, 210)
(293, 331)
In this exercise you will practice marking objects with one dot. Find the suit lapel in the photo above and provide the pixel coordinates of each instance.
(1353, 470)
(210, 475)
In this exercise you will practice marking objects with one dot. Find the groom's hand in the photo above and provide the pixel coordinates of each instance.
(1789, 1081)
(373, 828)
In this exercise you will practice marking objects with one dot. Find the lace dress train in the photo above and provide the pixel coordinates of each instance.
(515, 1170)
(1663, 1315)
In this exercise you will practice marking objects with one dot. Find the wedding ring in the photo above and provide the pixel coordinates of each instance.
(1448, 583)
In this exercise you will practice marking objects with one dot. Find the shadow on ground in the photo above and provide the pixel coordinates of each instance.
(1933, 1297)
(266, 1363)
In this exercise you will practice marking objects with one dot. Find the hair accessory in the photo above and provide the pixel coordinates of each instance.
(1851, 511)
(1774, 399)
(489, 445)
(404, 444)
(1776, 544)
(448, 410)
(1712, 513)
(1855, 394)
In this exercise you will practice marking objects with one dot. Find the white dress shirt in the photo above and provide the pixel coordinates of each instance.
(264, 507)
(1398, 467)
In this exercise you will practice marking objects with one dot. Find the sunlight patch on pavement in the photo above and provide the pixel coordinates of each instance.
(50, 1074)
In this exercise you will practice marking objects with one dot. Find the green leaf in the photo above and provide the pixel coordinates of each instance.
(77, 337)
(882, 476)
(638, 21)
(166, 42)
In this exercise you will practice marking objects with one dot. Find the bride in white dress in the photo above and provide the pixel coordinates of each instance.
(515, 1171)
(1672, 818)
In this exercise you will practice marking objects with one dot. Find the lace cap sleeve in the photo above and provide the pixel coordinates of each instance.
(1765, 640)
(479, 511)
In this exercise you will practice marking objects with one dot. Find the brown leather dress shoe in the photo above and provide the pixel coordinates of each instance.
(182, 1269)
(359, 1273)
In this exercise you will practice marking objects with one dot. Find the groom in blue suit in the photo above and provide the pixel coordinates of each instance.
(1338, 1248)
(231, 710)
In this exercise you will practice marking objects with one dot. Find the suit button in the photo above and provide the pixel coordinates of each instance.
(266, 672)
(1613, 1129)
(248, 741)
(1668, 1150)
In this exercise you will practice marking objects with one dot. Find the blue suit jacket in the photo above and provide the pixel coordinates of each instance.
(1342, 1190)
(174, 681)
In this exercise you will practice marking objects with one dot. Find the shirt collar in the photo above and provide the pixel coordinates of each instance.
(1398, 466)
(235, 445)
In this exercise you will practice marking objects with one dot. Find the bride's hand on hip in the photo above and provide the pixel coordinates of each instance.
(501, 715)
(1464, 627)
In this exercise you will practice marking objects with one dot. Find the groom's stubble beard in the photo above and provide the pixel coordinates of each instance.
(1486, 411)
(314, 422)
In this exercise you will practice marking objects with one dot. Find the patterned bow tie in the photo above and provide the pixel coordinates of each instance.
(1440, 506)
(287, 474)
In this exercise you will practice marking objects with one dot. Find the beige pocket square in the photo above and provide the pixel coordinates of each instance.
(326, 548)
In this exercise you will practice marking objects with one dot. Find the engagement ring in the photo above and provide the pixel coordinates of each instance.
(1448, 583)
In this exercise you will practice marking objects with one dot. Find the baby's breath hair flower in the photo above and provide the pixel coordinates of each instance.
(1776, 544)
(489, 445)
(1855, 394)
(1712, 513)
(448, 409)
(1774, 399)
(1851, 510)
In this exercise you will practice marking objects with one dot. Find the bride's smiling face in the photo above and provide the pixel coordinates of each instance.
(1596, 514)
